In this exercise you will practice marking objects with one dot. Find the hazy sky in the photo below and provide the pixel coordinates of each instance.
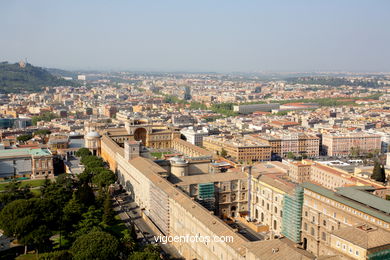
(198, 35)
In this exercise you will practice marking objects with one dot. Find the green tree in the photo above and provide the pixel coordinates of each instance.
(14, 191)
(42, 132)
(104, 178)
(83, 152)
(90, 220)
(128, 241)
(59, 192)
(355, 152)
(56, 255)
(91, 161)
(223, 153)
(378, 172)
(291, 155)
(108, 213)
(72, 213)
(24, 220)
(85, 195)
(97, 245)
(47, 117)
(24, 138)
(150, 252)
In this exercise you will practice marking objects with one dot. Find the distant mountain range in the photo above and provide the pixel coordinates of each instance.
(20, 77)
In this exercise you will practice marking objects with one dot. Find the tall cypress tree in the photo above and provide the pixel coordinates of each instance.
(378, 173)
(108, 214)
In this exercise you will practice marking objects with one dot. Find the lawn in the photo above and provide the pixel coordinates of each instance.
(158, 155)
(27, 257)
(31, 183)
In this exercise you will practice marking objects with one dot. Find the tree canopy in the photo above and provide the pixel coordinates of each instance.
(97, 245)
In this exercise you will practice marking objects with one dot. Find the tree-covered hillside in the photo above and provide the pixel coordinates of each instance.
(16, 78)
(335, 81)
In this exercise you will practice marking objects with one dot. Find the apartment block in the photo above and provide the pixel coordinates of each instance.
(332, 178)
(241, 149)
(343, 144)
(297, 143)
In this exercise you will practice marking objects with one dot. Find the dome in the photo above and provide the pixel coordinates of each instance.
(93, 134)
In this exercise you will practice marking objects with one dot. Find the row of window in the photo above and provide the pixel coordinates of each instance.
(344, 208)
(344, 247)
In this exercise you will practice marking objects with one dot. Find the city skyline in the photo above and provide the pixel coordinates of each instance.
(193, 37)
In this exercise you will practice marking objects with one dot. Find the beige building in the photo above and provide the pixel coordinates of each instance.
(190, 150)
(267, 194)
(153, 136)
(325, 213)
(241, 149)
(299, 171)
(228, 192)
(297, 143)
(360, 242)
(35, 163)
(343, 144)
(58, 141)
(332, 178)
(175, 213)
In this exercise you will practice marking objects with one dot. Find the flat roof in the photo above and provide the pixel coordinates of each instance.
(24, 152)
(210, 177)
(368, 209)
(367, 238)
(364, 197)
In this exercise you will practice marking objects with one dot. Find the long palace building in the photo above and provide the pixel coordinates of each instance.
(174, 212)
(305, 220)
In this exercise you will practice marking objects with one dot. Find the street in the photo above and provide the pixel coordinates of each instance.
(129, 212)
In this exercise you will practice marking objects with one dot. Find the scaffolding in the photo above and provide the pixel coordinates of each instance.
(206, 195)
(292, 215)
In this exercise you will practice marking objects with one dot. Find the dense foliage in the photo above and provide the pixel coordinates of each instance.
(24, 138)
(334, 81)
(95, 245)
(14, 78)
(378, 172)
(71, 218)
(47, 117)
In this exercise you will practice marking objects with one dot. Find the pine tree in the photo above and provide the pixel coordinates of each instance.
(108, 214)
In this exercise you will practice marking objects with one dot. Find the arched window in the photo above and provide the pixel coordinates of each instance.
(275, 224)
(312, 231)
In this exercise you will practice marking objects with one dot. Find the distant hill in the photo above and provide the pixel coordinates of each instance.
(26, 77)
(62, 73)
